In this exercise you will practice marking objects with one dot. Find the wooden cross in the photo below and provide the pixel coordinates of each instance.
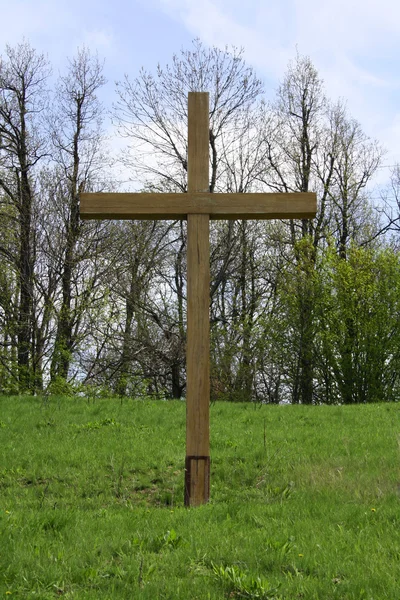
(198, 206)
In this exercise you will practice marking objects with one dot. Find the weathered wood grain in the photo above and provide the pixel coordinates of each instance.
(217, 206)
(198, 309)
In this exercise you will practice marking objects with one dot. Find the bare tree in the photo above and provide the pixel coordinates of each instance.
(312, 145)
(356, 160)
(151, 111)
(23, 100)
(79, 152)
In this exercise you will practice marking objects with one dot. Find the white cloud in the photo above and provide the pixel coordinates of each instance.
(269, 31)
(346, 25)
(349, 42)
(54, 26)
(24, 18)
(390, 136)
(97, 39)
(354, 44)
(212, 21)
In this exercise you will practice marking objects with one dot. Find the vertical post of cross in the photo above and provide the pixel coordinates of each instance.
(197, 464)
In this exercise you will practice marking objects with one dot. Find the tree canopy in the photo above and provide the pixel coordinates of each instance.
(303, 312)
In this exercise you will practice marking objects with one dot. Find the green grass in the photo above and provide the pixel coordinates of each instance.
(305, 502)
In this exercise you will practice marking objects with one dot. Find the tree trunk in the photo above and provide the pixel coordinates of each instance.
(25, 274)
(126, 358)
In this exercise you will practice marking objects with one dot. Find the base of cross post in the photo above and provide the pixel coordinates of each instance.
(197, 480)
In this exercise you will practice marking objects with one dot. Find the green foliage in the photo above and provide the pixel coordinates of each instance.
(59, 386)
(347, 313)
(91, 502)
(239, 584)
(358, 338)
(93, 425)
(167, 541)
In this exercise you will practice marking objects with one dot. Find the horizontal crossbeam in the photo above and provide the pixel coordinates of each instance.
(178, 206)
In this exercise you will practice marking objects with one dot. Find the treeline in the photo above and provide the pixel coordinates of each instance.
(301, 311)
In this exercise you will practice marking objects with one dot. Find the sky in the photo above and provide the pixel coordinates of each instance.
(354, 44)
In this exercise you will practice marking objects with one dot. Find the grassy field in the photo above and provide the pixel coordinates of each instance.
(305, 502)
